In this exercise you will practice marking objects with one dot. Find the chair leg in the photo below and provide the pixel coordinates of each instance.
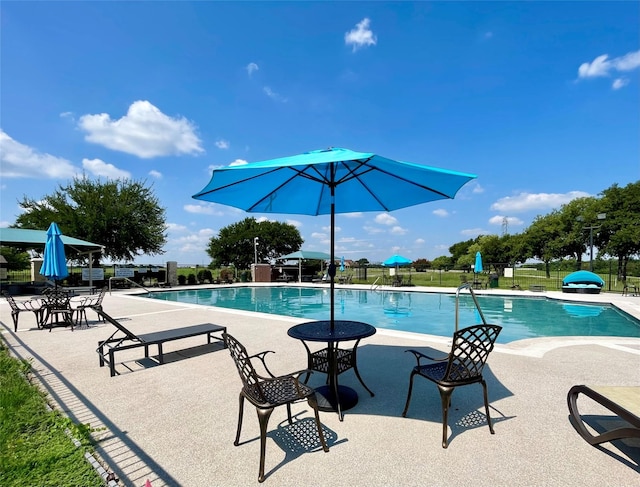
(240, 413)
(486, 406)
(406, 406)
(14, 315)
(289, 413)
(313, 402)
(263, 419)
(445, 399)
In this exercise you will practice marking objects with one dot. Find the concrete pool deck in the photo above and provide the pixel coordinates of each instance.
(175, 424)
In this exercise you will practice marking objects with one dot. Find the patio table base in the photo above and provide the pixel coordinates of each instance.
(327, 399)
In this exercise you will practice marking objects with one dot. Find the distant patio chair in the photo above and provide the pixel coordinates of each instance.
(267, 393)
(88, 302)
(34, 305)
(462, 366)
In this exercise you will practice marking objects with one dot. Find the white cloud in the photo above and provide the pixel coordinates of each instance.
(603, 66)
(295, 223)
(144, 131)
(619, 83)
(440, 212)
(273, 95)
(176, 227)
(222, 144)
(251, 67)
(398, 230)
(474, 232)
(319, 235)
(372, 230)
(419, 241)
(193, 242)
(155, 174)
(208, 209)
(386, 219)
(355, 214)
(476, 188)
(539, 201)
(98, 167)
(238, 162)
(21, 161)
(361, 36)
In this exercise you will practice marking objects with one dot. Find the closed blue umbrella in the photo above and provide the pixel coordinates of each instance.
(478, 265)
(328, 182)
(342, 264)
(54, 263)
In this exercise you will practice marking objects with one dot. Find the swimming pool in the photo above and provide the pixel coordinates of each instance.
(418, 312)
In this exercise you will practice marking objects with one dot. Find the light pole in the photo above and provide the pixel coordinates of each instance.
(591, 228)
(255, 250)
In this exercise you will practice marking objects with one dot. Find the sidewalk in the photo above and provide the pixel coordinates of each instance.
(175, 424)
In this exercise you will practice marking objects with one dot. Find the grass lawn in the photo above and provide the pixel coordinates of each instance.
(35, 448)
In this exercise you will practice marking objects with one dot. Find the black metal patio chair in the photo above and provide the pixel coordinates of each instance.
(462, 366)
(34, 305)
(267, 393)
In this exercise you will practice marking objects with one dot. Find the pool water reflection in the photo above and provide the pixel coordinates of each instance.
(418, 312)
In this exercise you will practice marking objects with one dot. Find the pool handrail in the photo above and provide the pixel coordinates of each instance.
(467, 285)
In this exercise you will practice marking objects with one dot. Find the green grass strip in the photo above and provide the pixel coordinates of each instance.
(34, 448)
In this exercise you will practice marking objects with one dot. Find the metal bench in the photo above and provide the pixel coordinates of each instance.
(107, 348)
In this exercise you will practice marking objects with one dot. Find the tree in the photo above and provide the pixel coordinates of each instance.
(442, 262)
(17, 260)
(421, 265)
(544, 238)
(619, 234)
(235, 243)
(123, 215)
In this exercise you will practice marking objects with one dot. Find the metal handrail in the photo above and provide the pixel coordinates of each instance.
(373, 286)
(467, 285)
(120, 278)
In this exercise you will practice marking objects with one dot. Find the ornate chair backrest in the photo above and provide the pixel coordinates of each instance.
(12, 302)
(58, 299)
(469, 352)
(248, 374)
(97, 300)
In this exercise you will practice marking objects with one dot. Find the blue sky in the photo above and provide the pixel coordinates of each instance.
(539, 99)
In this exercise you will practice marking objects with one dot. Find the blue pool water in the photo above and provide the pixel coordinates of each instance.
(430, 313)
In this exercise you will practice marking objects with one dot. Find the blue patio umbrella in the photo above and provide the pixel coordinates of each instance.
(478, 265)
(54, 262)
(396, 260)
(342, 264)
(328, 182)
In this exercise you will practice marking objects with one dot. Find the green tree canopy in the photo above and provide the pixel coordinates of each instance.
(17, 260)
(123, 215)
(235, 243)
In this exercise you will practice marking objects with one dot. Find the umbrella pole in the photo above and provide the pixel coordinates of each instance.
(332, 264)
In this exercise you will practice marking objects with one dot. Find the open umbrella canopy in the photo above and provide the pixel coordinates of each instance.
(328, 182)
(305, 254)
(478, 265)
(396, 260)
(54, 261)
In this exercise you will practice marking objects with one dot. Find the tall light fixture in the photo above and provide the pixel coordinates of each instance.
(255, 250)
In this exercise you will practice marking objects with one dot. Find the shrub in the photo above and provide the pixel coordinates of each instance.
(182, 280)
(191, 279)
